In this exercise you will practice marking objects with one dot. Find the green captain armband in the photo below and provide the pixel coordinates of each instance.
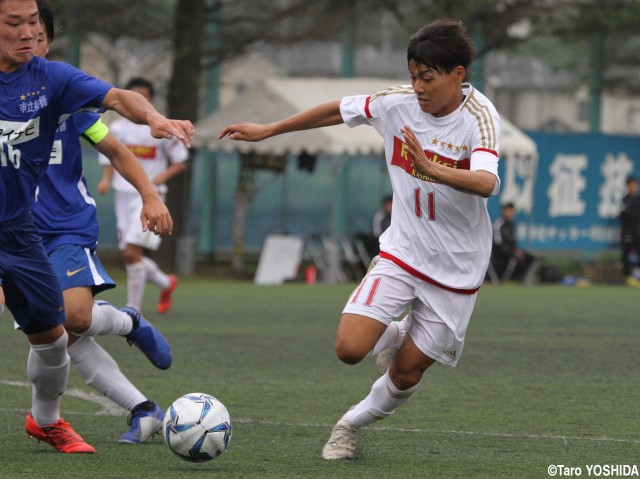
(96, 132)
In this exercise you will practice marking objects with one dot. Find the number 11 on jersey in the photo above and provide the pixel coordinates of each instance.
(431, 207)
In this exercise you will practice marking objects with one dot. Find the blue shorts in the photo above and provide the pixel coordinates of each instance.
(77, 266)
(31, 288)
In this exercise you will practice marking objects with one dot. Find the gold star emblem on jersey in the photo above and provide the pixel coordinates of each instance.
(75, 271)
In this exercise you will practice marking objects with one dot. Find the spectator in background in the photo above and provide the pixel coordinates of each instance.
(509, 261)
(630, 231)
(382, 219)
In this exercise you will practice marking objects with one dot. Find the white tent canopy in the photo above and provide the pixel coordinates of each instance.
(277, 98)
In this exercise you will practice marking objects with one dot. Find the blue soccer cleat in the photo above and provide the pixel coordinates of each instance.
(148, 340)
(145, 421)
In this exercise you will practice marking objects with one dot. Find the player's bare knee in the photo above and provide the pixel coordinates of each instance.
(347, 353)
(128, 257)
(77, 323)
(405, 379)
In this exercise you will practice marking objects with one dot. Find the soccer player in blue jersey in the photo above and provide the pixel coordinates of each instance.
(37, 97)
(65, 215)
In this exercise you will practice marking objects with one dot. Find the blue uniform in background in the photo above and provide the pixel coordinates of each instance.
(35, 99)
(65, 211)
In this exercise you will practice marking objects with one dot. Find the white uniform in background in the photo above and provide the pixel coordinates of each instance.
(155, 156)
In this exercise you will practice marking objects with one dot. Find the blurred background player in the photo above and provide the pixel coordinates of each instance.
(509, 260)
(382, 219)
(435, 254)
(630, 231)
(162, 159)
(31, 287)
(65, 215)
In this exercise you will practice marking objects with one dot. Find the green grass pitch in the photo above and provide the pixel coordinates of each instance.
(549, 376)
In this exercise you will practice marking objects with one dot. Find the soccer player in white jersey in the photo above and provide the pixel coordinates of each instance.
(162, 160)
(441, 145)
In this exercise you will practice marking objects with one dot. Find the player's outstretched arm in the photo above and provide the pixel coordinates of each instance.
(136, 108)
(326, 114)
(155, 216)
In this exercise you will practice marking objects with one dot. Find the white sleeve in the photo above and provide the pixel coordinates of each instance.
(484, 153)
(354, 110)
(176, 151)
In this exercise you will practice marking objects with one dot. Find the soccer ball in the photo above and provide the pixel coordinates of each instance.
(197, 427)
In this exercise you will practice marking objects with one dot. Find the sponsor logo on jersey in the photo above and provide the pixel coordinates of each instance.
(402, 159)
(143, 152)
(13, 133)
(16, 132)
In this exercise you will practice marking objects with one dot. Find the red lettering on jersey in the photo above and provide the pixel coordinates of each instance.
(402, 159)
(143, 152)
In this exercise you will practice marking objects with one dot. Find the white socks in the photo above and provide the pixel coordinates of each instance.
(48, 370)
(100, 371)
(391, 338)
(138, 274)
(107, 319)
(381, 402)
(136, 279)
(154, 274)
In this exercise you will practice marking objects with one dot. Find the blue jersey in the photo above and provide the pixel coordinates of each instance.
(34, 100)
(65, 212)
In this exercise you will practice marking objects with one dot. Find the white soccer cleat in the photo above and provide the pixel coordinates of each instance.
(342, 442)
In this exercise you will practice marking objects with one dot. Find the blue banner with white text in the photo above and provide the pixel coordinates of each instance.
(570, 196)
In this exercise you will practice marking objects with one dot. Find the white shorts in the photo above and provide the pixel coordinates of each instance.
(128, 207)
(438, 319)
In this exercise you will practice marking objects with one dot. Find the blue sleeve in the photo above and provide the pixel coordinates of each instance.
(77, 89)
(84, 120)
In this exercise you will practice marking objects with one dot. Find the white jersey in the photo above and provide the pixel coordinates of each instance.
(437, 233)
(155, 154)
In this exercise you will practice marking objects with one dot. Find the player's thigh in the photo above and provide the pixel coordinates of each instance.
(357, 335)
(408, 365)
(78, 303)
(32, 290)
(384, 294)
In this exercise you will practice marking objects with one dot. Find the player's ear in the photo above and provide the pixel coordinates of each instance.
(460, 72)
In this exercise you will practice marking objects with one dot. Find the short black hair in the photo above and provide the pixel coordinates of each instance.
(46, 18)
(631, 179)
(140, 82)
(442, 45)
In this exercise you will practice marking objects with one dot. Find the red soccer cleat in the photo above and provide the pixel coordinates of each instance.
(60, 435)
(164, 301)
